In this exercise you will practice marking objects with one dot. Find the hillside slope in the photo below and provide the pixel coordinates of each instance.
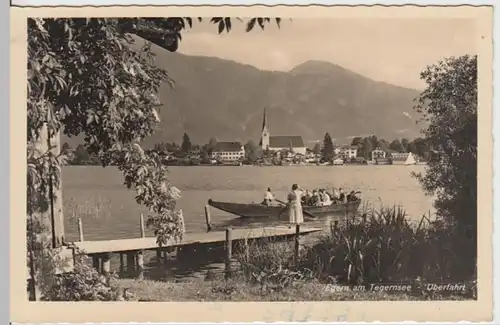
(224, 99)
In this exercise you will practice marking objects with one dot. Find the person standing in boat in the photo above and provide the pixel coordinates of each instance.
(308, 197)
(335, 194)
(268, 197)
(342, 196)
(295, 206)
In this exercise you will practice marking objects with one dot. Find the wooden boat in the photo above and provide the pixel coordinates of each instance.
(256, 210)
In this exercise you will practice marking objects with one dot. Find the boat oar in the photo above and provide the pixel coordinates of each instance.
(303, 210)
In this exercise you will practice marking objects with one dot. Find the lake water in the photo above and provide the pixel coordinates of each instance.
(109, 211)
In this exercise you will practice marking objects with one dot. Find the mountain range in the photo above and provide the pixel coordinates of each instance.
(219, 98)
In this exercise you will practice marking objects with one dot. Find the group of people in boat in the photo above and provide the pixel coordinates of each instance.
(315, 197)
(298, 197)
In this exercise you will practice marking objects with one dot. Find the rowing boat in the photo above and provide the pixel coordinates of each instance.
(256, 210)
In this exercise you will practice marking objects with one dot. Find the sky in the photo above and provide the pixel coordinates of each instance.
(390, 50)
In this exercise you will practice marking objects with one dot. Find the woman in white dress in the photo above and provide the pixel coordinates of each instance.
(294, 205)
(325, 198)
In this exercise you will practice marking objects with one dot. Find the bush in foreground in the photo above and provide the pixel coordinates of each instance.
(83, 284)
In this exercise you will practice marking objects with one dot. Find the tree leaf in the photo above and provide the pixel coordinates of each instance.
(251, 24)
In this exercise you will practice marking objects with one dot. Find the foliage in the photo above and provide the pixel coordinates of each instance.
(449, 104)
(396, 146)
(383, 246)
(367, 148)
(186, 143)
(82, 157)
(328, 148)
(404, 144)
(65, 56)
(270, 264)
(252, 152)
(211, 144)
(418, 146)
(317, 149)
(84, 283)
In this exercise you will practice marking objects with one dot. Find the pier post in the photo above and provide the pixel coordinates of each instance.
(336, 225)
(122, 263)
(165, 257)
(229, 248)
(141, 223)
(247, 249)
(131, 262)
(208, 218)
(96, 263)
(297, 244)
(106, 265)
(80, 229)
(140, 265)
(158, 256)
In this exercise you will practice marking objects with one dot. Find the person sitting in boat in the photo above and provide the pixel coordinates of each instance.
(325, 198)
(352, 196)
(328, 194)
(268, 197)
(307, 198)
(316, 200)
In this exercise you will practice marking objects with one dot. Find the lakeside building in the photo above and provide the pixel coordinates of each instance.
(346, 152)
(399, 156)
(228, 151)
(278, 143)
(378, 154)
(403, 158)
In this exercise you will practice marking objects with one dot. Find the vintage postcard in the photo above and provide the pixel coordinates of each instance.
(241, 164)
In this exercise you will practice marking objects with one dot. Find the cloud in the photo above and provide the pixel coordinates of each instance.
(402, 130)
(407, 115)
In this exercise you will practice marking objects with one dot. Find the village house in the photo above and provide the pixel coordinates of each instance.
(399, 156)
(406, 158)
(346, 152)
(228, 151)
(278, 143)
(378, 154)
(194, 154)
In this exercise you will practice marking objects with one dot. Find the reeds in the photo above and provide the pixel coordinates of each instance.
(270, 263)
(95, 209)
(380, 246)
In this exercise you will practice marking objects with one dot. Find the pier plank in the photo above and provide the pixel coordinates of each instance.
(149, 243)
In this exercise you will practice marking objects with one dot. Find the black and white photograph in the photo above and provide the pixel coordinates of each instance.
(258, 158)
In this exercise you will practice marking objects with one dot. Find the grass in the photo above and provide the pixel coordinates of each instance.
(237, 289)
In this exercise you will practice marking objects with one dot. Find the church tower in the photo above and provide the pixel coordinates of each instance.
(264, 140)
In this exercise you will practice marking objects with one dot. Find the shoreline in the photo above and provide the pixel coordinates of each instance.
(293, 165)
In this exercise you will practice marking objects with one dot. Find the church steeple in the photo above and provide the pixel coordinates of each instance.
(264, 140)
(264, 120)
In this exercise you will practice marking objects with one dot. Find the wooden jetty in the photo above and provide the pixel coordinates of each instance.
(149, 243)
(134, 248)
